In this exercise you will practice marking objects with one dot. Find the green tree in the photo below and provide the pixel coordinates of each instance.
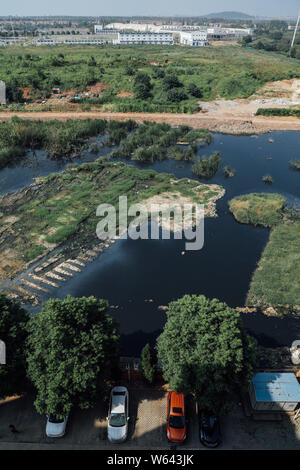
(142, 86)
(194, 90)
(148, 363)
(175, 95)
(72, 351)
(171, 81)
(14, 94)
(246, 40)
(204, 350)
(13, 320)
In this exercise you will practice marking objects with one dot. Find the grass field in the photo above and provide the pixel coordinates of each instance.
(258, 209)
(227, 71)
(276, 281)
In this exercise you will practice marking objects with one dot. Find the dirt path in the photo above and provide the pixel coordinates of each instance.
(227, 121)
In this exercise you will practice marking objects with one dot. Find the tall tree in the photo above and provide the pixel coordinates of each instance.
(13, 320)
(204, 350)
(142, 85)
(148, 363)
(72, 351)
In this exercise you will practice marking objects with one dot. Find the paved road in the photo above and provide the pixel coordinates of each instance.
(87, 429)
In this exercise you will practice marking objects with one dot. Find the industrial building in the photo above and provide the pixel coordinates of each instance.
(145, 38)
(194, 38)
(43, 41)
(228, 33)
(274, 392)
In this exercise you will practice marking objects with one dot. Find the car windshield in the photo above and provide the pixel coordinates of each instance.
(176, 422)
(209, 424)
(117, 420)
(54, 419)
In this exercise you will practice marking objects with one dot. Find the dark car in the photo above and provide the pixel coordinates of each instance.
(209, 430)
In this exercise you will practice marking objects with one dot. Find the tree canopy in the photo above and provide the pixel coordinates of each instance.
(13, 320)
(148, 363)
(204, 350)
(72, 350)
(142, 85)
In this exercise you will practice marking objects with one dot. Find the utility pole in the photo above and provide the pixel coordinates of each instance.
(295, 32)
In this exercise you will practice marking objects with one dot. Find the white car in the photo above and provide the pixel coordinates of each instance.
(118, 415)
(56, 427)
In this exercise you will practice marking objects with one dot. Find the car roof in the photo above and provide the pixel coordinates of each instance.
(177, 401)
(118, 395)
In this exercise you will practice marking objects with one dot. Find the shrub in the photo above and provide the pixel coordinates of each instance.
(171, 81)
(176, 95)
(295, 164)
(207, 167)
(194, 90)
(11, 155)
(268, 179)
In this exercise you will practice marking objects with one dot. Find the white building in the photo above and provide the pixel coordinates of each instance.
(98, 28)
(161, 38)
(194, 38)
(94, 40)
(217, 32)
(87, 40)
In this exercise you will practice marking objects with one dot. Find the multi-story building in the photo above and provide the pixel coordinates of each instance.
(194, 38)
(42, 41)
(161, 38)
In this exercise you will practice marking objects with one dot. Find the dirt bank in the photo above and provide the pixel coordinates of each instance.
(224, 122)
(227, 122)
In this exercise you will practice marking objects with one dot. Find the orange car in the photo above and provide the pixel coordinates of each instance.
(176, 423)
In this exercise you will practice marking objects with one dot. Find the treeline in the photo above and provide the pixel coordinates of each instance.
(68, 353)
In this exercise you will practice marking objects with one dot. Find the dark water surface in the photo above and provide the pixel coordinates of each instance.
(139, 276)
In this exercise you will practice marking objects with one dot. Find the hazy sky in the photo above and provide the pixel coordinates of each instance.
(147, 8)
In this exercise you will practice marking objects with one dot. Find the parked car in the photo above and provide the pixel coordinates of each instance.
(176, 420)
(118, 415)
(56, 427)
(209, 430)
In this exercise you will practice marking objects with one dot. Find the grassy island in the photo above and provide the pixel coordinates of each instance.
(275, 283)
(276, 280)
(258, 209)
(61, 208)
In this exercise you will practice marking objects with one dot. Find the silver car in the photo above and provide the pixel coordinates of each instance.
(118, 415)
(56, 427)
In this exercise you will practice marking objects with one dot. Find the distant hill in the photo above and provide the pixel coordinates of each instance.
(230, 15)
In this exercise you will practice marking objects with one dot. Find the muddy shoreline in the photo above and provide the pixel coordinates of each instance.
(229, 123)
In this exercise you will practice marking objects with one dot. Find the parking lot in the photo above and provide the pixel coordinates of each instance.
(87, 428)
